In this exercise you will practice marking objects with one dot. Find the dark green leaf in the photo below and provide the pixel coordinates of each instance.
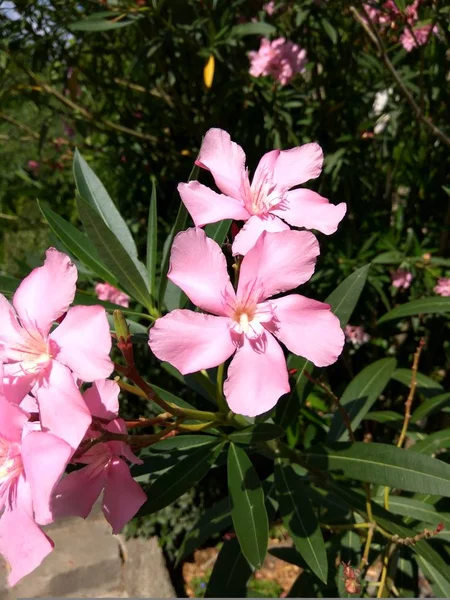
(435, 305)
(258, 28)
(218, 231)
(383, 416)
(425, 385)
(430, 406)
(344, 298)
(289, 555)
(186, 473)
(113, 254)
(417, 510)
(434, 572)
(76, 243)
(213, 521)
(98, 25)
(300, 519)
(230, 574)
(360, 395)
(254, 434)
(248, 509)
(382, 464)
(434, 442)
(8, 285)
(152, 241)
(184, 443)
(330, 30)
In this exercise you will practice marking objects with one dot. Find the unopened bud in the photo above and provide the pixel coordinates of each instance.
(121, 326)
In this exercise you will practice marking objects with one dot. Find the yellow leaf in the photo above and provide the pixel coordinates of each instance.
(208, 71)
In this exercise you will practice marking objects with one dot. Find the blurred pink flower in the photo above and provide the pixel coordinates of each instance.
(443, 286)
(279, 58)
(356, 335)
(265, 201)
(269, 7)
(401, 279)
(109, 293)
(247, 322)
(420, 36)
(33, 165)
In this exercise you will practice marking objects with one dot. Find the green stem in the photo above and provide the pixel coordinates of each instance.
(220, 398)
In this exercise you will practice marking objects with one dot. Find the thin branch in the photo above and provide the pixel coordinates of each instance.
(412, 389)
(20, 125)
(376, 39)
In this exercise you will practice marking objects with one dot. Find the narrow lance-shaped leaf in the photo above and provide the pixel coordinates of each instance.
(262, 432)
(152, 241)
(230, 574)
(177, 480)
(382, 464)
(360, 395)
(248, 509)
(436, 305)
(218, 231)
(112, 253)
(76, 243)
(300, 519)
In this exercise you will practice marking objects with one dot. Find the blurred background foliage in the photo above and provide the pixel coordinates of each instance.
(123, 80)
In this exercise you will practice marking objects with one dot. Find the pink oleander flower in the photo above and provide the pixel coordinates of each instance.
(105, 470)
(48, 362)
(421, 36)
(269, 7)
(108, 292)
(356, 335)
(33, 165)
(443, 286)
(278, 58)
(246, 323)
(31, 464)
(401, 279)
(268, 199)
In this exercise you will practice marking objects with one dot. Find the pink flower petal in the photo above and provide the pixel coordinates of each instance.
(279, 262)
(44, 458)
(199, 268)
(76, 494)
(11, 333)
(305, 208)
(46, 293)
(257, 377)
(23, 544)
(225, 159)
(85, 342)
(249, 234)
(12, 421)
(16, 383)
(63, 411)
(205, 206)
(102, 399)
(298, 165)
(122, 497)
(308, 328)
(265, 166)
(191, 341)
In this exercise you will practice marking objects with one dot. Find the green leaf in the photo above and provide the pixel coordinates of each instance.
(393, 257)
(360, 395)
(177, 480)
(8, 285)
(218, 231)
(434, 572)
(91, 189)
(213, 521)
(179, 225)
(230, 574)
(152, 241)
(436, 305)
(113, 254)
(382, 464)
(169, 397)
(76, 243)
(185, 443)
(430, 406)
(248, 509)
(98, 25)
(383, 416)
(415, 509)
(330, 30)
(433, 442)
(258, 28)
(300, 519)
(425, 385)
(254, 434)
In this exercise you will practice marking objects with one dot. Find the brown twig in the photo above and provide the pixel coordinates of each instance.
(376, 39)
(412, 389)
(20, 125)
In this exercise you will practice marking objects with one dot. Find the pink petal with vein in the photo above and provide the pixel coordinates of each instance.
(255, 226)
(206, 206)
(298, 165)
(305, 208)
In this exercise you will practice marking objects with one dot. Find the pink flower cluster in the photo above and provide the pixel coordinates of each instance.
(388, 15)
(280, 58)
(249, 320)
(356, 335)
(401, 279)
(45, 418)
(443, 286)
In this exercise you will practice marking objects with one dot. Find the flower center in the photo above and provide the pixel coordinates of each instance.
(263, 194)
(10, 463)
(243, 316)
(32, 353)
